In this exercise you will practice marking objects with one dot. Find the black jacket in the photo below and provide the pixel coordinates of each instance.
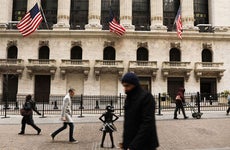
(139, 124)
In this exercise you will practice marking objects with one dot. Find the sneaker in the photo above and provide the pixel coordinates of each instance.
(102, 145)
(73, 141)
(21, 133)
(175, 118)
(186, 117)
(39, 131)
(52, 136)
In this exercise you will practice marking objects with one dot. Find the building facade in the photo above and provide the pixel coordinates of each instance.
(77, 50)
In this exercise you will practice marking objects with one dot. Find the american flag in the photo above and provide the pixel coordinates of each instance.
(30, 21)
(114, 26)
(178, 22)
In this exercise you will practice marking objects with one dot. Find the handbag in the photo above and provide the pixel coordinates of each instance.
(24, 112)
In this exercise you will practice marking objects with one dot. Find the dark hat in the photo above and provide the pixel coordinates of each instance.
(130, 78)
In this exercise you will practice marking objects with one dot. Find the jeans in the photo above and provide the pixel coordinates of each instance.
(71, 128)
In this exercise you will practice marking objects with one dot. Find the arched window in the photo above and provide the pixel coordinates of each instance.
(141, 14)
(201, 12)
(170, 8)
(109, 53)
(206, 55)
(174, 55)
(19, 9)
(44, 52)
(79, 14)
(76, 53)
(105, 10)
(12, 52)
(142, 54)
(50, 11)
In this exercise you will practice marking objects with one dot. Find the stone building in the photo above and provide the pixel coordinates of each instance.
(77, 50)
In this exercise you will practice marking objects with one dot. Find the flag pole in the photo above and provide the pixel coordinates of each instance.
(44, 16)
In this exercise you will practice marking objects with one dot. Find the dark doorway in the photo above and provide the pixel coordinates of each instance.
(109, 53)
(174, 55)
(145, 83)
(10, 87)
(44, 52)
(42, 88)
(142, 54)
(174, 83)
(12, 52)
(76, 53)
(206, 55)
(208, 88)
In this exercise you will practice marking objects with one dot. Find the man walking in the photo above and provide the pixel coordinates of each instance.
(66, 117)
(139, 120)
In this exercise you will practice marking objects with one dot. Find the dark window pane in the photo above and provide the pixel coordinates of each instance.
(141, 14)
(44, 52)
(201, 12)
(79, 14)
(105, 9)
(19, 9)
(142, 54)
(12, 52)
(76, 53)
(206, 55)
(109, 53)
(170, 8)
(174, 55)
(50, 12)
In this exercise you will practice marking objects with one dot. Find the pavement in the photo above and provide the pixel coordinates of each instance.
(211, 132)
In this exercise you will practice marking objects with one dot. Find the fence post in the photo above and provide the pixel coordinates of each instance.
(81, 107)
(120, 104)
(198, 101)
(97, 105)
(55, 105)
(5, 108)
(159, 104)
(43, 108)
(16, 105)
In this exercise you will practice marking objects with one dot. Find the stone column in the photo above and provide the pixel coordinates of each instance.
(6, 7)
(126, 14)
(31, 3)
(157, 16)
(187, 14)
(94, 15)
(63, 15)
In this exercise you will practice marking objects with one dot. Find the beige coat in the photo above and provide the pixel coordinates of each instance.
(66, 108)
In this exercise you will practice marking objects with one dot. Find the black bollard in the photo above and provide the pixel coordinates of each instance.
(159, 104)
(16, 105)
(97, 105)
(55, 105)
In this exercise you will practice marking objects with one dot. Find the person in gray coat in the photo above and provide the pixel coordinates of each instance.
(66, 117)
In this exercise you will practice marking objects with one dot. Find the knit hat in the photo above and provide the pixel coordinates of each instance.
(130, 78)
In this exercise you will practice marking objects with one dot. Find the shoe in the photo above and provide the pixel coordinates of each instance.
(186, 117)
(102, 145)
(21, 133)
(52, 136)
(73, 141)
(39, 131)
(175, 118)
(113, 146)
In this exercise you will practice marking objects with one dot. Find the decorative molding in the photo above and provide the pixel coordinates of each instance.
(175, 45)
(157, 18)
(207, 46)
(76, 43)
(43, 43)
(125, 17)
(63, 17)
(142, 44)
(12, 43)
(109, 43)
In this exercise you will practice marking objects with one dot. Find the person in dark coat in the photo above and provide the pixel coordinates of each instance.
(108, 126)
(179, 103)
(139, 120)
(28, 119)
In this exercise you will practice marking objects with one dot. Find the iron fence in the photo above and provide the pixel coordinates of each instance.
(91, 104)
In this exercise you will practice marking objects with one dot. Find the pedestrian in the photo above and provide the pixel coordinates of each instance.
(179, 103)
(66, 117)
(29, 106)
(139, 119)
(108, 126)
(228, 110)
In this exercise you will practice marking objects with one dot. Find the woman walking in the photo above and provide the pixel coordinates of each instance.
(179, 103)
(29, 107)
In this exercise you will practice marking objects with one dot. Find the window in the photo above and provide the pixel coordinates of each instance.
(105, 12)
(79, 14)
(19, 9)
(50, 12)
(170, 8)
(174, 55)
(76, 53)
(44, 52)
(142, 54)
(141, 15)
(201, 12)
(206, 55)
(109, 53)
(12, 52)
